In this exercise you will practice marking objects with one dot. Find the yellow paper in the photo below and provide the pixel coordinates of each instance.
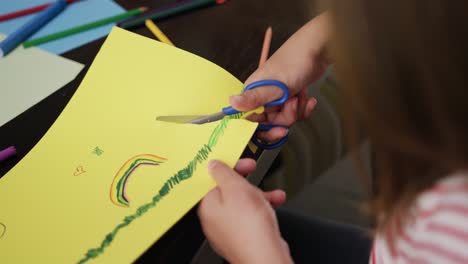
(107, 179)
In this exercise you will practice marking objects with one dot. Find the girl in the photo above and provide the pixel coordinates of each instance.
(403, 69)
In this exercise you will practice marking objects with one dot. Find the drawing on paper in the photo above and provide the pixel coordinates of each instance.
(2, 229)
(79, 170)
(117, 190)
(98, 151)
(182, 175)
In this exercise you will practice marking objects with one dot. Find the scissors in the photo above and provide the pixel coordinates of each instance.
(229, 110)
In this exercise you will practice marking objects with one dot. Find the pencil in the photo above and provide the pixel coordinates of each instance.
(168, 11)
(29, 11)
(263, 58)
(157, 32)
(266, 46)
(31, 27)
(85, 27)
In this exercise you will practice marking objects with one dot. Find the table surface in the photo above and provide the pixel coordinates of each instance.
(229, 35)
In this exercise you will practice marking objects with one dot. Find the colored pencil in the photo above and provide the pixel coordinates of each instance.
(263, 59)
(7, 153)
(157, 32)
(28, 11)
(168, 11)
(31, 27)
(85, 27)
(266, 46)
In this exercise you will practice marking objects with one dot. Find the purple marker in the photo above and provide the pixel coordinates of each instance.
(7, 153)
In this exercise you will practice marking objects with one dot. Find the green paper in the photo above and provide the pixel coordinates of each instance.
(28, 76)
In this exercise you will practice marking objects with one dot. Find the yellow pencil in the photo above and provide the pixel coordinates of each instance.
(263, 58)
(266, 46)
(157, 32)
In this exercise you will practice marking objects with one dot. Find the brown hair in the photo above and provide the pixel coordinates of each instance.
(403, 69)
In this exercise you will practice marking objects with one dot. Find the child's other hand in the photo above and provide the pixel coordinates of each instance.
(238, 220)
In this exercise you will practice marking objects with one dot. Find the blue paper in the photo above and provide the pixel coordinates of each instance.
(75, 14)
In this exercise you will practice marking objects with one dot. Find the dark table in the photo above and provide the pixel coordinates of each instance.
(229, 35)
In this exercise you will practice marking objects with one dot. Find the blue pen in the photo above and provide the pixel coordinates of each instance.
(31, 27)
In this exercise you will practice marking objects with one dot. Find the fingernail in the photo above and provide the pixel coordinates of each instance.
(283, 193)
(310, 106)
(212, 164)
(236, 98)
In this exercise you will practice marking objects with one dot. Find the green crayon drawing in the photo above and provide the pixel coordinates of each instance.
(172, 182)
(98, 151)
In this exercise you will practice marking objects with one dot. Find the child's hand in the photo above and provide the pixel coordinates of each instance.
(238, 220)
(298, 63)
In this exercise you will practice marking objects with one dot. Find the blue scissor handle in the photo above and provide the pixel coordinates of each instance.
(229, 110)
(263, 145)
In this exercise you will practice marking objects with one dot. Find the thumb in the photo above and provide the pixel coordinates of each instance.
(253, 99)
(225, 177)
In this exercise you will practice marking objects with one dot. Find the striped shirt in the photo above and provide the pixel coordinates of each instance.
(438, 233)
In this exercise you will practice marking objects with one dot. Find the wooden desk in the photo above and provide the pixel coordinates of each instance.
(229, 35)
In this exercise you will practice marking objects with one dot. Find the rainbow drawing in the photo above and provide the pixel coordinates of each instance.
(117, 191)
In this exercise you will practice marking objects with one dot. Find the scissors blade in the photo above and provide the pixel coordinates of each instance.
(187, 119)
(179, 119)
(208, 118)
